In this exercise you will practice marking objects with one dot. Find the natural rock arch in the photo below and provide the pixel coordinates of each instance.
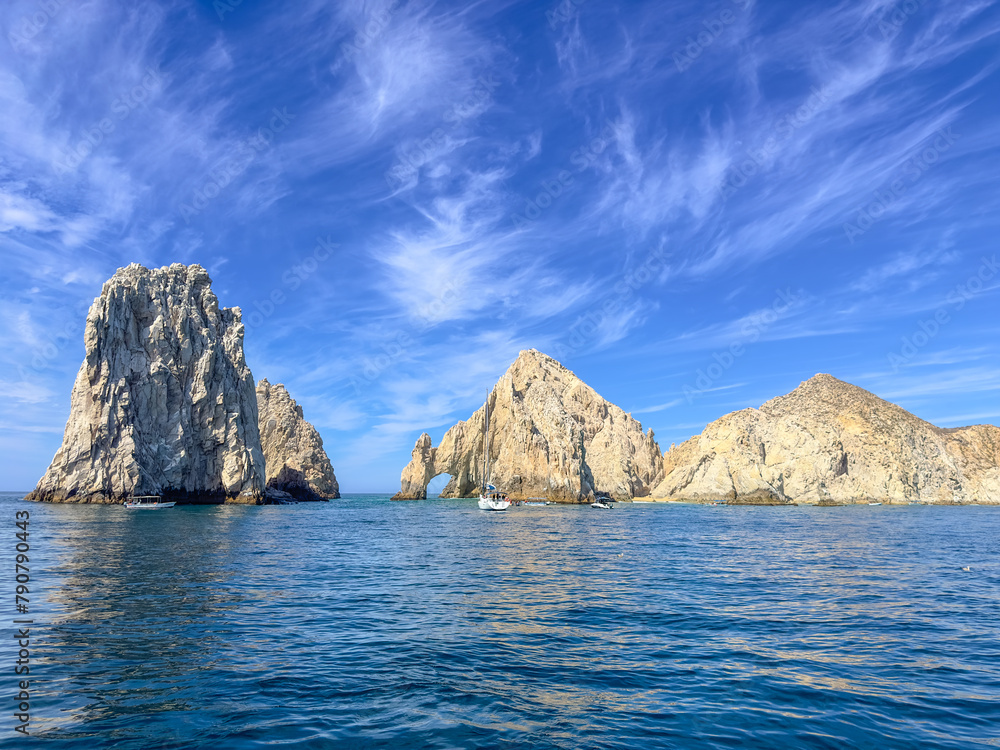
(551, 436)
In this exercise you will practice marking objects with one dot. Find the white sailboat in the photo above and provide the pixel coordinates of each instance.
(489, 497)
(147, 502)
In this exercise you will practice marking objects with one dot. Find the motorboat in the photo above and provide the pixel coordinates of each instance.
(147, 502)
(603, 500)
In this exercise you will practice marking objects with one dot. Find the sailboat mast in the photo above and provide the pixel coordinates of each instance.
(486, 447)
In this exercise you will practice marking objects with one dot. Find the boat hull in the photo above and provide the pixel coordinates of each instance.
(489, 503)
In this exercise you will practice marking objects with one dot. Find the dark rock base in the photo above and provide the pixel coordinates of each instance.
(181, 497)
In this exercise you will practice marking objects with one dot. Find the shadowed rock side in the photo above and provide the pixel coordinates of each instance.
(830, 442)
(551, 435)
(293, 450)
(164, 402)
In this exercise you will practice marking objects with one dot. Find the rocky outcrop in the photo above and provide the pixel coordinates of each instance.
(829, 442)
(164, 403)
(293, 450)
(551, 435)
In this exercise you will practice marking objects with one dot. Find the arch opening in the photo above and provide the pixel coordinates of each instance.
(438, 483)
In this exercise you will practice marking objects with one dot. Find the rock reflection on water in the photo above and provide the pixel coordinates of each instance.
(143, 600)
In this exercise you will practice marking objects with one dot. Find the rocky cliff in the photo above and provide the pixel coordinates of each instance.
(551, 435)
(831, 442)
(164, 403)
(293, 450)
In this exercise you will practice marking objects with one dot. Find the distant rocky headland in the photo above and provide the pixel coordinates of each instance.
(164, 404)
(830, 442)
(826, 443)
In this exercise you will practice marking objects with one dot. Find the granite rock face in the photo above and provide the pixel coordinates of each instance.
(293, 450)
(164, 403)
(830, 442)
(551, 436)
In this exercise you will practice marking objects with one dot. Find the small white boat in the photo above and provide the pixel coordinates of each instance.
(147, 502)
(874, 503)
(603, 500)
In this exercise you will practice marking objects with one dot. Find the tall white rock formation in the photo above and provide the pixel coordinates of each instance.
(551, 435)
(831, 442)
(164, 403)
(293, 450)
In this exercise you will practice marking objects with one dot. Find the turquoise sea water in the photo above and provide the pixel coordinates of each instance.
(363, 623)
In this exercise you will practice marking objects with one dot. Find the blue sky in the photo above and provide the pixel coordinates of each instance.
(693, 205)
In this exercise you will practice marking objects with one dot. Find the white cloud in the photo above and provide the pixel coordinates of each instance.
(900, 265)
(24, 212)
(27, 392)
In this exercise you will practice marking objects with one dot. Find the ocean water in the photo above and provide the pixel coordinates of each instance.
(363, 623)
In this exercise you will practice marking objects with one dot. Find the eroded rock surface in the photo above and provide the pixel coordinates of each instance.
(164, 403)
(551, 435)
(293, 450)
(831, 442)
